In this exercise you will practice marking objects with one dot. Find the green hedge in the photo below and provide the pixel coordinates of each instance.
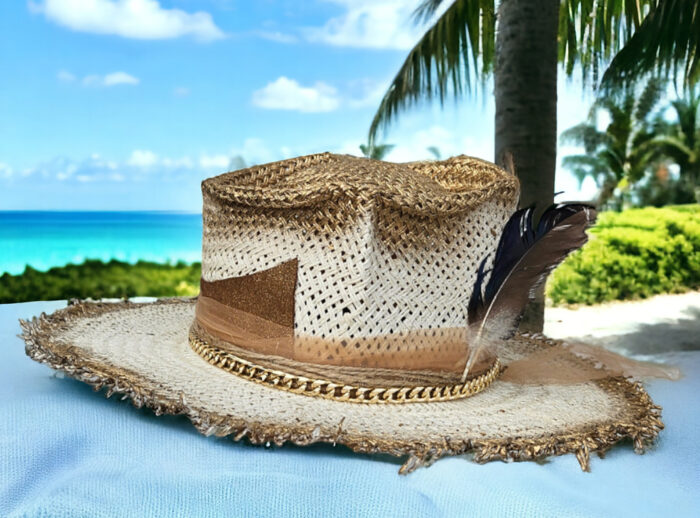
(632, 254)
(96, 279)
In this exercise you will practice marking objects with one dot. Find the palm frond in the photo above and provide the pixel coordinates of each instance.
(376, 151)
(639, 140)
(649, 98)
(457, 48)
(614, 161)
(426, 10)
(592, 31)
(584, 134)
(667, 41)
(583, 166)
(435, 151)
(675, 147)
(688, 113)
(578, 161)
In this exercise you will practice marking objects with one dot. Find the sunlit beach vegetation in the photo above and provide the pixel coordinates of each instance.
(97, 279)
(632, 254)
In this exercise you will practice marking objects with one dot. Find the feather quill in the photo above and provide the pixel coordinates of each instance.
(524, 258)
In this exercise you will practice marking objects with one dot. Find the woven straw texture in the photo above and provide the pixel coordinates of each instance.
(142, 352)
(382, 248)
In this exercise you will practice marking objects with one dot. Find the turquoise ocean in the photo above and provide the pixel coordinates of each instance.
(45, 239)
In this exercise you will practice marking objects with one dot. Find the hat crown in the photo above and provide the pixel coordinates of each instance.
(386, 254)
(430, 188)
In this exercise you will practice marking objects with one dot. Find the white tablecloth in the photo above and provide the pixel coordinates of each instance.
(66, 451)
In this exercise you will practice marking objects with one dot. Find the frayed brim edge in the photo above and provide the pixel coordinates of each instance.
(642, 423)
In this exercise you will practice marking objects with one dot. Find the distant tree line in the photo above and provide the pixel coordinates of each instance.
(638, 149)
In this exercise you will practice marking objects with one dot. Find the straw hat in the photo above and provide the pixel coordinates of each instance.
(335, 306)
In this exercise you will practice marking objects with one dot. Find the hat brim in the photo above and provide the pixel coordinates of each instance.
(141, 350)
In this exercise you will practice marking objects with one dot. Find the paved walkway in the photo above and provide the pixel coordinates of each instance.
(660, 325)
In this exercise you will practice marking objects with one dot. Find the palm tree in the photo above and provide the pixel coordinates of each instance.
(521, 48)
(620, 155)
(238, 162)
(377, 152)
(435, 151)
(679, 142)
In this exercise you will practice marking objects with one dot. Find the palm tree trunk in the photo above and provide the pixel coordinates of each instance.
(607, 191)
(525, 76)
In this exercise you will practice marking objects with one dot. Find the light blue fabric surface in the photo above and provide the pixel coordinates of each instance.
(66, 451)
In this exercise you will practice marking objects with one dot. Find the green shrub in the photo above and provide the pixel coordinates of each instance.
(96, 279)
(632, 254)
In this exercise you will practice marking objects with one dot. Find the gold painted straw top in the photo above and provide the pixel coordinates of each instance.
(424, 188)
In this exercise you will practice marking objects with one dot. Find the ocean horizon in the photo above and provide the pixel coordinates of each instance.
(44, 239)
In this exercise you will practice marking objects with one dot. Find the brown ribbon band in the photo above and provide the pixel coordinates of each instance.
(256, 313)
(441, 350)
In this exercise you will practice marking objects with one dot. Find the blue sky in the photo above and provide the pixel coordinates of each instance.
(129, 104)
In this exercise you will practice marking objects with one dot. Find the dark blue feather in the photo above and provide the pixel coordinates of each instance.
(524, 258)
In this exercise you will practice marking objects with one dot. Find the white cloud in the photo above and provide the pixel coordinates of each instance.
(184, 162)
(288, 94)
(92, 80)
(253, 151)
(142, 158)
(181, 91)
(214, 161)
(5, 170)
(65, 77)
(91, 169)
(415, 146)
(351, 147)
(111, 79)
(379, 24)
(66, 172)
(144, 165)
(279, 37)
(138, 19)
(64, 169)
(120, 78)
(147, 159)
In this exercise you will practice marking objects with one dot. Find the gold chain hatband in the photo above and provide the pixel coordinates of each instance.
(339, 392)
